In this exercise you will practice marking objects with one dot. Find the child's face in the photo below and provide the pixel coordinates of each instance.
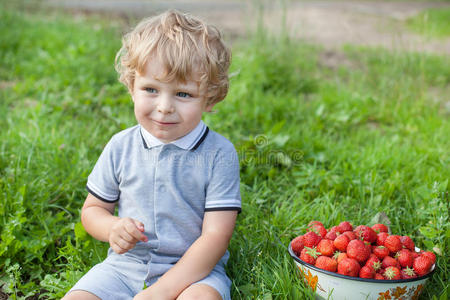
(168, 110)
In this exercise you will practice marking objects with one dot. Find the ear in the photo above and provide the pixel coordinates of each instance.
(131, 93)
(209, 107)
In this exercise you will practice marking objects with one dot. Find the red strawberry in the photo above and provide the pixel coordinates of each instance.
(350, 234)
(365, 233)
(326, 247)
(381, 251)
(349, 267)
(407, 243)
(309, 255)
(389, 262)
(341, 242)
(422, 265)
(341, 256)
(297, 245)
(344, 226)
(407, 273)
(373, 262)
(378, 276)
(405, 258)
(430, 255)
(314, 223)
(393, 243)
(310, 239)
(366, 272)
(326, 263)
(381, 237)
(357, 249)
(415, 254)
(380, 228)
(334, 229)
(331, 235)
(319, 229)
(392, 273)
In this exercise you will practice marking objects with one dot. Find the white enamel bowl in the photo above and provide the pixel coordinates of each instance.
(330, 285)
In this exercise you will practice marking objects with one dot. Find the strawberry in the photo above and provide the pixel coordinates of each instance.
(350, 234)
(318, 229)
(392, 273)
(407, 243)
(389, 262)
(430, 255)
(357, 249)
(380, 228)
(407, 273)
(310, 239)
(334, 229)
(297, 245)
(326, 263)
(378, 276)
(366, 272)
(341, 256)
(373, 262)
(314, 223)
(344, 226)
(326, 247)
(405, 258)
(422, 265)
(331, 235)
(393, 243)
(381, 251)
(415, 254)
(349, 267)
(381, 237)
(341, 242)
(309, 255)
(365, 233)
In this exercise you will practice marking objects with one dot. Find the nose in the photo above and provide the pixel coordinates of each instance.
(165, 105)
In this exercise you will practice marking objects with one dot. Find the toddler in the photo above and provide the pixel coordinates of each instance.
(175, 181)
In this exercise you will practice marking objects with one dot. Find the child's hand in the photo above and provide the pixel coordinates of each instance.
(125, 233)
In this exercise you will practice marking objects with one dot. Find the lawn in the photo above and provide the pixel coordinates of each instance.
(316, 140)
(432, 22)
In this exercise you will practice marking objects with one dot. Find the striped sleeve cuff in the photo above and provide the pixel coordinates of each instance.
(223, 205)
(96, 193)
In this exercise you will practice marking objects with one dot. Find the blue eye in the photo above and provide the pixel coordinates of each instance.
(150, 90)
(183, 95)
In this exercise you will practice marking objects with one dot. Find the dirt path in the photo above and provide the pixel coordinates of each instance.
(330, 23)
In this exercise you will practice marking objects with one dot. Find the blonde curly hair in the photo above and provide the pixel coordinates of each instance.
(187, 47)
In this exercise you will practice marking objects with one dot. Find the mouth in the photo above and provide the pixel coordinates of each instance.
(164, 123)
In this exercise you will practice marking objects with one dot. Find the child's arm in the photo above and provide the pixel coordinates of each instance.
(99, 221)
(199, 259)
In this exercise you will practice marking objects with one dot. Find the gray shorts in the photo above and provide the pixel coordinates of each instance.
(120, 280)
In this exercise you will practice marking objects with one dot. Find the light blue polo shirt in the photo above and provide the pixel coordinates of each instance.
(168, 187)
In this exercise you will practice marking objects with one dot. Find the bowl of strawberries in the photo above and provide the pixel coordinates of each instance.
(362, 262)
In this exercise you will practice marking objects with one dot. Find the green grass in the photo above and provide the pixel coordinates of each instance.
(432, 22)
(321, 142)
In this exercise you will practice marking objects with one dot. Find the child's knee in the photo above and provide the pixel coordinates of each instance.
(77, 295)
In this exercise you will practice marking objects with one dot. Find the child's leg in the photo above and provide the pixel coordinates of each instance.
(215, 286)
(77, 295)
(200, 291)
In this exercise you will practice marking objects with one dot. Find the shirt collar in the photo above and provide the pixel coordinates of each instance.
(187, 142)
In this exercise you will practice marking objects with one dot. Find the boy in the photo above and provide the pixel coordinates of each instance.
(176, 183)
